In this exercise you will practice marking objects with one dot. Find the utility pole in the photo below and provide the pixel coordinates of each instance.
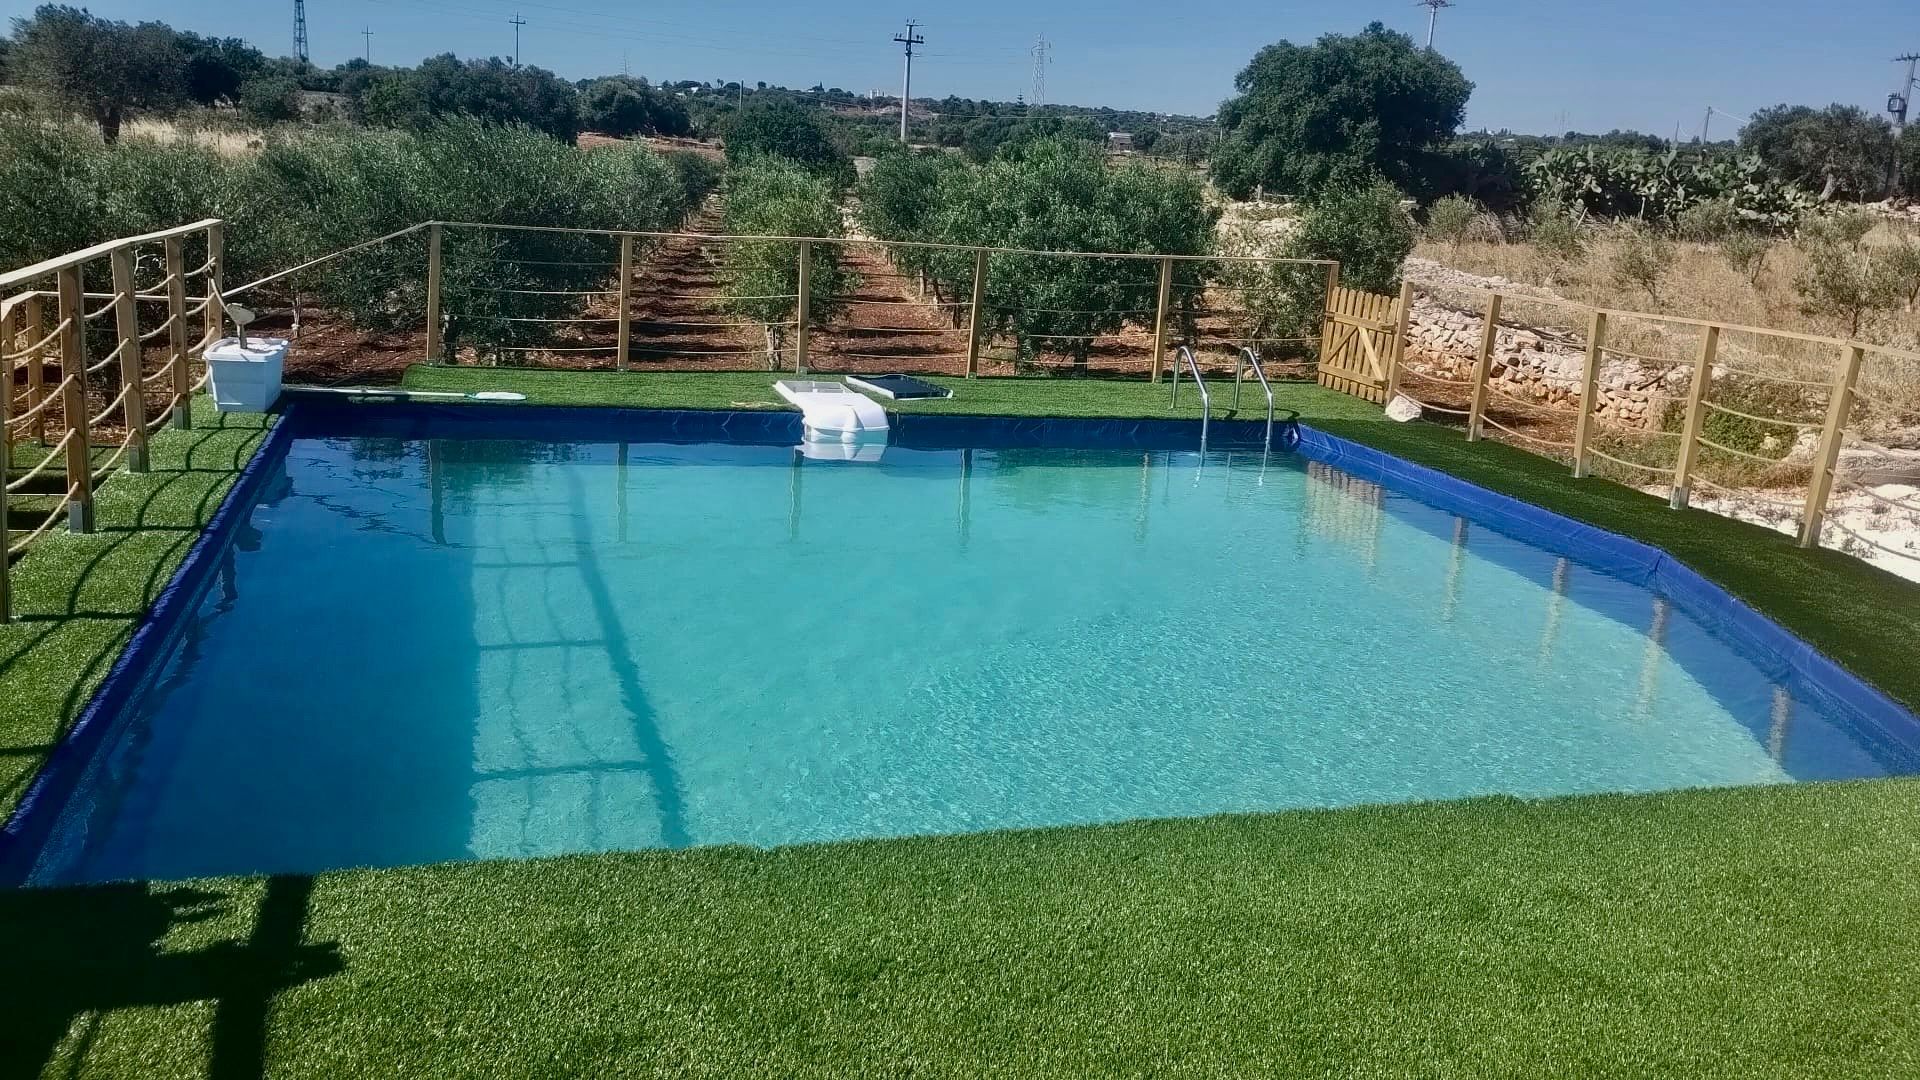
(300, 30)
(1040, 61)
(367, 33)
(1706, 125)
(1897, 105)
(517, 22)
(909, 39)
(1433, 15)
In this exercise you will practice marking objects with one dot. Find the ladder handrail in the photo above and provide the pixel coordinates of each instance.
(1206, 399)
(1248, 354)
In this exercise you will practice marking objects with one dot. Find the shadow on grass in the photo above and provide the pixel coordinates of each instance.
(75, 956)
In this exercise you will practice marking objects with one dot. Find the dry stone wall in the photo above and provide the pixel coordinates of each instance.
(1537, 365)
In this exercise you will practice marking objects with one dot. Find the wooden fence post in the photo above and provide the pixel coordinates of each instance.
(37, 366)
(626, 302)
(803, 301)
(216, 313)
(176, 255)
(1483, 368)
(73, 400)
(1831, 436)
(126, 320)
(1589, 389)
(1397, 348)
(974, 318)
(1162, 299)
(433, 292)
(9, 341)
(1696, 420)
(1326, 313)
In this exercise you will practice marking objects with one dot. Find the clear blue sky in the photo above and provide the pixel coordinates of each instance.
(1538, 66)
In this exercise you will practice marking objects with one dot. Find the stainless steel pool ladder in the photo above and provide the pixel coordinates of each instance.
(1249, 356)
(1206, 399)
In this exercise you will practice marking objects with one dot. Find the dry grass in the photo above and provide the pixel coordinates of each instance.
(237, 142)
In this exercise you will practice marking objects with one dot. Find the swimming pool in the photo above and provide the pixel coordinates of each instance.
(431, 636)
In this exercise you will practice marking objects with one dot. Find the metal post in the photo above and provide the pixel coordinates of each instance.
(1831, 437)
(974, 309)
(1397, 350)
(1160, 317)
(133, 405)
(176, 255)
(37, 366)
(73, 400)
(1589, 389)
(626, 302)
(433, 293)
(1696, 420)
(216, 313)
(1483, 369)
(801, 314)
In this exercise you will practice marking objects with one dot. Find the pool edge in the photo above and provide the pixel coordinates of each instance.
(1625, 557)
(24, 832)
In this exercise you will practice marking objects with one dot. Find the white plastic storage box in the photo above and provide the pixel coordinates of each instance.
(246, 377)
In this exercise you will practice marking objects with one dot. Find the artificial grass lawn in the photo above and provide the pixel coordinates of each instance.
(1736, 933)
(76, 599)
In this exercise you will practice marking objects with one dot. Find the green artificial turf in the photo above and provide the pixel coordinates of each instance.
(1751, 933)
(76, 599)
(1757, 932)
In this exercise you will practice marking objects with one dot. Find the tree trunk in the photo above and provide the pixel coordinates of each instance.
(108, 116)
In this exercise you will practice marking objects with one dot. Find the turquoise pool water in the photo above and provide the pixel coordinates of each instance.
(423, 650)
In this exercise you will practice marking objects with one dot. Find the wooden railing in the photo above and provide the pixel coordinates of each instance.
(1834, 391)
(1164, 288)
(50, 324)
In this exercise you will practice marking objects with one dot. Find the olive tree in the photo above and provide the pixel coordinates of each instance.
(1059, 195)
(1335, 113)
(772, 196)
(106, 68)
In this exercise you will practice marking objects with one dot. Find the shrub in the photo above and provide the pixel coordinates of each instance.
(1707, 222)
(1366, 229)
(1842, 281)
(773, 196)
(270, 99)
(790, 132)
(1558, 234)
(1061, 195)
(1746, 253)
(1452, 220)
(1643, 260)
(623, 106)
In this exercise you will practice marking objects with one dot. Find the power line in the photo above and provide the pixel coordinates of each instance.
(1433, 15)
(517, 22)
(909, 39)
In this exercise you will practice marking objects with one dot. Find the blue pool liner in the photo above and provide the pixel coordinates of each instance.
(1890, 726)
(28, 827)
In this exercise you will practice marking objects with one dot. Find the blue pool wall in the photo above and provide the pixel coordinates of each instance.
(27, 828)
(1884, 723)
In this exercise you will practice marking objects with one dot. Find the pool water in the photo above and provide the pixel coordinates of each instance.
(423, 650)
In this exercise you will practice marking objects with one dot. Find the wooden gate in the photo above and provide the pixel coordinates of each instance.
(1356, 342)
